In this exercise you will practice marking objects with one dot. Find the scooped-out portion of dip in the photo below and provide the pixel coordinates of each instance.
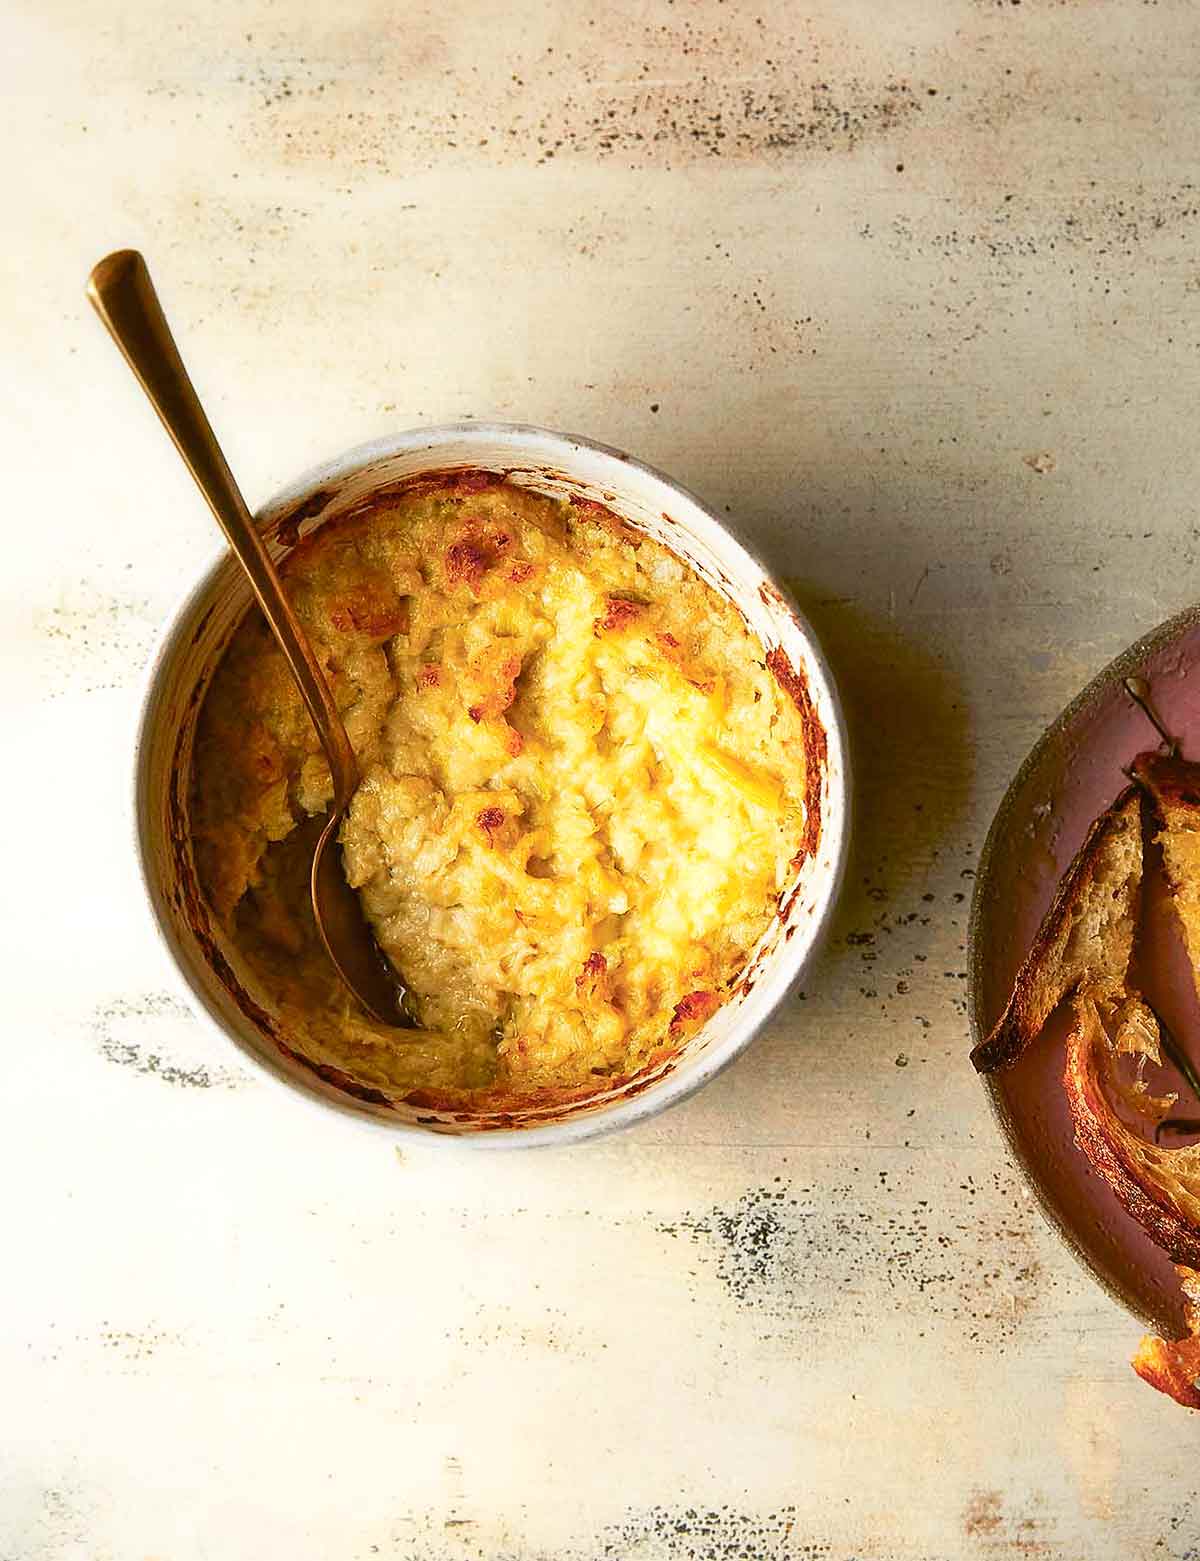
(585, 786)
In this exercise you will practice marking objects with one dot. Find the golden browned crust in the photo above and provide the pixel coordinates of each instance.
(691, 1011)
(1086, 935)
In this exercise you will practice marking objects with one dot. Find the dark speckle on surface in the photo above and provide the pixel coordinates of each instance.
(746, 1236)
(668, 90)
(128, 1033)
(717, 1534)
(677, 1532)
(792, 1252)
(93, 640)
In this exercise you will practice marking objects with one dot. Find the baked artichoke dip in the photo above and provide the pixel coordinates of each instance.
(584, 789)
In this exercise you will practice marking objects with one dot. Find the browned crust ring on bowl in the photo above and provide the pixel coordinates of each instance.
(513, 1105)
(816, 748)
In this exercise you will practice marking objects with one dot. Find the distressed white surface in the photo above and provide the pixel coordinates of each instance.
(811, 1313)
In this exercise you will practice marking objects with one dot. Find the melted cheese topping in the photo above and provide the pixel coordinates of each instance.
(582, 791)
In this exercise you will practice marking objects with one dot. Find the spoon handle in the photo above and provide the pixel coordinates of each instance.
(123, 295)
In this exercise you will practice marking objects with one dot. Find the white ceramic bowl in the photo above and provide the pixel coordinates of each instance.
(198, 632)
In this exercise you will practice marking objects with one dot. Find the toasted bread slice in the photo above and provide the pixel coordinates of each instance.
(1086, 936)
(1173, 1366)
(1174, 785)
(1159, 1187)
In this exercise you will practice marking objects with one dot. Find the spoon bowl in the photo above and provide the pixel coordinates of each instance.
(347, 937)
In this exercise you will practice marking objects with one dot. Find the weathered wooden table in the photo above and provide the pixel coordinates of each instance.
(913, 289)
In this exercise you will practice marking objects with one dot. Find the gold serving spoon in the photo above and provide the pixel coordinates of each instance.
(123, 296)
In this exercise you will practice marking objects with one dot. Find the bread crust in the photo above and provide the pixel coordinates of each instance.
(1148, 1180)
(1171, 1366)
(1174, 783)
(1111, 852)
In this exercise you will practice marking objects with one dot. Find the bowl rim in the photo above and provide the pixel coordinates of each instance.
(667, 1091)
